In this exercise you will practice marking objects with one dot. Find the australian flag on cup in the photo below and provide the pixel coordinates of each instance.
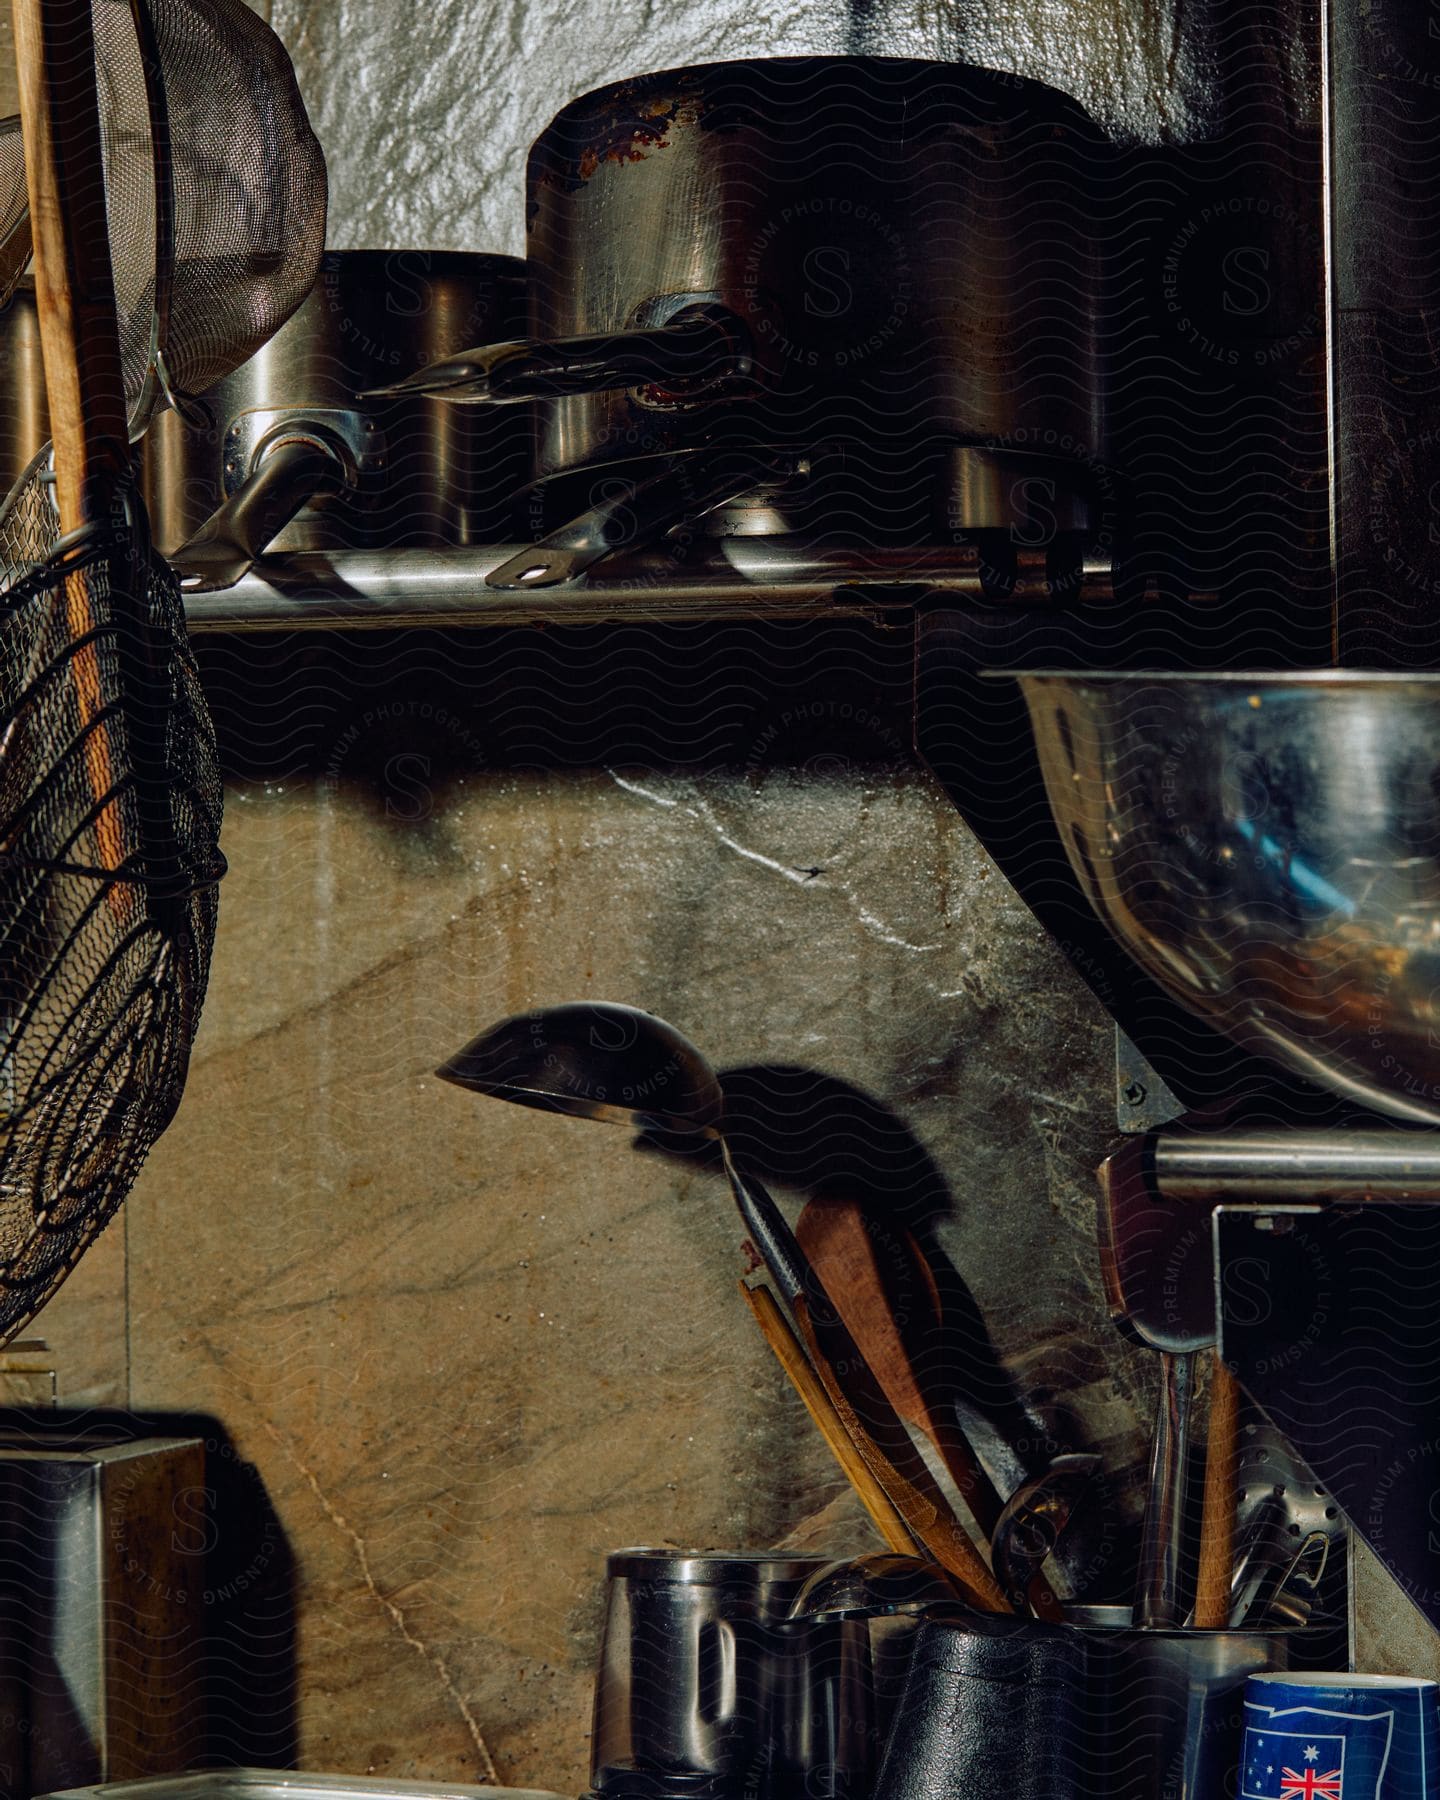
(1305, 1753)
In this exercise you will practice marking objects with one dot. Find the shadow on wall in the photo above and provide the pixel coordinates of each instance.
(214, 1572)
(843, 1150)
(388, 710)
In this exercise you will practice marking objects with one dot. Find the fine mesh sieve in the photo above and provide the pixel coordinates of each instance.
(215, 190)
(14, 209)
(182, 120)
(213, 176)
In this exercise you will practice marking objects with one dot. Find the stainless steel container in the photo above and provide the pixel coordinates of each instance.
(706, 1688)
(909, 246)
(890, 1595)
(103, 1584)
(1167, 1709)
(413, 472)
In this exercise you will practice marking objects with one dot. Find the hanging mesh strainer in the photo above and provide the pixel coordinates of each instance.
(109, 788)
(14, 211)
(199, 107)
(215, 189)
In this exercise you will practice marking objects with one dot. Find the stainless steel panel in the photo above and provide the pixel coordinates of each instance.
(1383, 104)
(103, 1580)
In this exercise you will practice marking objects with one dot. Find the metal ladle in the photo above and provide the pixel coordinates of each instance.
(599, 1060)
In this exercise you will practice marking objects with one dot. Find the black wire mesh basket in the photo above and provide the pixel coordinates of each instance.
(110, 804)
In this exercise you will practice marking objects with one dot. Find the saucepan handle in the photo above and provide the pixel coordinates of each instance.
(685, 485)
(693, 351)
(300, 467)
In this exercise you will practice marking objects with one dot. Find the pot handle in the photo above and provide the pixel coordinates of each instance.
(301, 466)
(693, 351)
(688, 484)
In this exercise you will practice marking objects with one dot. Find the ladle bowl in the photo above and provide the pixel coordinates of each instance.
(1267, 848)
(594, 1060)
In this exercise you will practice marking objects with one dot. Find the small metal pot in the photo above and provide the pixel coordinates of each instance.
(24, 413)
(707, 1690)
(289, 458)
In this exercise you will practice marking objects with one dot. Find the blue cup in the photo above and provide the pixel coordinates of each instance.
(1340, 1737)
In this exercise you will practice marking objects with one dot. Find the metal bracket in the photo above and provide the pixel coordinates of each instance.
(1143, 1102)
(248, 433)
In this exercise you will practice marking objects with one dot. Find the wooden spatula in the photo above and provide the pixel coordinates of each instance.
(790, 1354)
(79, 336)
(870, 1421)
(837, 1237)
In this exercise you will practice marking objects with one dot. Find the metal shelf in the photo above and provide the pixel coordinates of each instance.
(733, 578)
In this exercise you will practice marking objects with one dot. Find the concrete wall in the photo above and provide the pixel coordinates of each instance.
(427, 114)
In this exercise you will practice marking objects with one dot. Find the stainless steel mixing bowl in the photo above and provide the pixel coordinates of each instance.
(1267, 848)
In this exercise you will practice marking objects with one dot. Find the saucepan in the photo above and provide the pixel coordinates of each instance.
(865, 271)
(283, 456)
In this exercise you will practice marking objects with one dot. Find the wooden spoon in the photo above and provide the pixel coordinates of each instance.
(790, 1354)
(1217, 1518)
(870, 1421)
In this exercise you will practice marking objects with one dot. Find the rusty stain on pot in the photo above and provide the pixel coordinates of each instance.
(637, 125)
(636, 150)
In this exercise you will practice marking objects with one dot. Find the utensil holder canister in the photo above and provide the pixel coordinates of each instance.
(1167, 1711)
(993, 1709)
(706, 1691)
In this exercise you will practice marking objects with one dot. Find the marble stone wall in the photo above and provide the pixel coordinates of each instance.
(467, 1347)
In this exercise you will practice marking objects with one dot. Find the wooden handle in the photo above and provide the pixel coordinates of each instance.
(837, 1239)
(1217, 1519)
(74, 288)
(79, 336)
(788, 1353)
(915, 1497)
